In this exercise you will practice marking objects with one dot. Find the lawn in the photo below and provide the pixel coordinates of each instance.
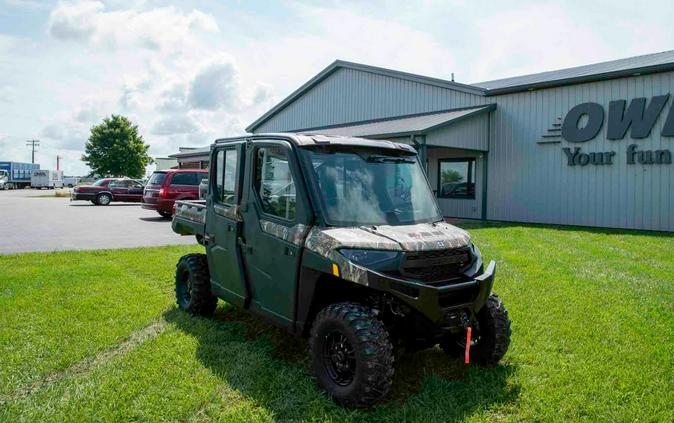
(95, 336)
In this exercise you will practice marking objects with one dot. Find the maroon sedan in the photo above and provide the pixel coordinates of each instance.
(166, 186)
(106, 190)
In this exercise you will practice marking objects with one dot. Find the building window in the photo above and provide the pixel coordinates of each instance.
(274, 182)
(456, 178)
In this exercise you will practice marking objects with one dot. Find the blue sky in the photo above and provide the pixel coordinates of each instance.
(189, 71)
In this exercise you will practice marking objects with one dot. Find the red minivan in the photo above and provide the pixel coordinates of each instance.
(166, 186)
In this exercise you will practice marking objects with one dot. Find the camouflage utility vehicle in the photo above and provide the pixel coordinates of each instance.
(339, 240)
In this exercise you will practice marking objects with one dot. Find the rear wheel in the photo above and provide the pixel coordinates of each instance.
(103, 199)
(351, 354)
(490, 339)
(193, 285)
(165, 215)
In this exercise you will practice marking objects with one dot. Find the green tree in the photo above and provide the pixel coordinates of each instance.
(114, 148)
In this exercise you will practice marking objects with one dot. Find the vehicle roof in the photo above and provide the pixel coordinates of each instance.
(308, 140)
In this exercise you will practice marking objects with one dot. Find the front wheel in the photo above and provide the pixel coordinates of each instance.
(193, 285)
(490, 339)
(165, 215)
(103, 199)
(351, 354)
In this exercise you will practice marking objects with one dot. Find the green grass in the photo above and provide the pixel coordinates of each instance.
(94, 336)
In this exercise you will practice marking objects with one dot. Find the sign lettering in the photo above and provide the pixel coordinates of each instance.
(584, 122)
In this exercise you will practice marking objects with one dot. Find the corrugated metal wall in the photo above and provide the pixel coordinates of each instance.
(472, 133)
(533, 183)
(527, 182)
(349, 95)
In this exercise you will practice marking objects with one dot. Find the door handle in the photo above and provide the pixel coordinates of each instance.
(288, 251)
(244, 247)
(208, 238)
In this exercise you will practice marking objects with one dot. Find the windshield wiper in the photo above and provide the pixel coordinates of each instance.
(382, 159)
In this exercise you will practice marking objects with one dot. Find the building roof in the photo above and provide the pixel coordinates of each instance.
(403, 125)
(341, 64)
(192, 152)
(649, 63)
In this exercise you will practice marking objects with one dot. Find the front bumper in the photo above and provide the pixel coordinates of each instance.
(436, 301)
(88, 196)
(156, 204)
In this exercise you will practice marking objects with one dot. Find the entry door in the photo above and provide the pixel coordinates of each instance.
(223, 225)
(274, 208)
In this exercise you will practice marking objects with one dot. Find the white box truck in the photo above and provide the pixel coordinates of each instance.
(71, 181)
(44, 178)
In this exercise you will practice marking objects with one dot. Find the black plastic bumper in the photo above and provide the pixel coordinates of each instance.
(435, 302)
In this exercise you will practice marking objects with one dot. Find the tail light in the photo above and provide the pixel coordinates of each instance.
(162, 192)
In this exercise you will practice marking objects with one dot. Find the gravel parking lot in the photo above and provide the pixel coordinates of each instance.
(38, 221)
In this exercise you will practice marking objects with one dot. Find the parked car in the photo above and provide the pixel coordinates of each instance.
(166, 186)
(106, 190)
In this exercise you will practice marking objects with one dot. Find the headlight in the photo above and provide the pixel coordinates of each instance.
(477, 260)
(372, 258)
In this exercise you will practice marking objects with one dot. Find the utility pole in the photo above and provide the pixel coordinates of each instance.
(33, 144)
(58, 162)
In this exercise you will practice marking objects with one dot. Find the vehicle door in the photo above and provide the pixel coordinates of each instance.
(275, 216)
(135, 192)
(223, 224)
(119, 189)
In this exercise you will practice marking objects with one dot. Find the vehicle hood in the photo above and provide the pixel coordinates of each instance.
(419, 237)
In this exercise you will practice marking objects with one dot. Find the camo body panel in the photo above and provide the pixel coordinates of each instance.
(294, 234)
(191, 211)
(231, 212)
(426, 236)
(420, 237)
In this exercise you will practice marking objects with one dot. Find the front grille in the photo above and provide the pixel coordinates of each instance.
(435, 265)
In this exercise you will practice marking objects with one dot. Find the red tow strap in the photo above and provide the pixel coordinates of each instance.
(468, 333)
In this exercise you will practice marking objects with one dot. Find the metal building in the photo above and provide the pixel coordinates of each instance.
(590, 145)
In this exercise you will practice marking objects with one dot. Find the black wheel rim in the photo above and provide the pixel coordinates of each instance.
(184, 290)
(339, 358)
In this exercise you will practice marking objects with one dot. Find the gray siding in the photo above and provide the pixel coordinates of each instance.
(527, 182)
(450, 207)
(532, 183)
(472, 133)
(349, 96)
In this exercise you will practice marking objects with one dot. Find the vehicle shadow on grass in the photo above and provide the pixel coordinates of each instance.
(270, 367)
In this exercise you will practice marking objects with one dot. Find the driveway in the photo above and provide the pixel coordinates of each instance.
(37, 221)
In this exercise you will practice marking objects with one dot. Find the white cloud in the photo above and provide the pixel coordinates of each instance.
(154, 29)
(7, 94)
(173, 99)
(74, 21)
(180, 124)
(215, 86)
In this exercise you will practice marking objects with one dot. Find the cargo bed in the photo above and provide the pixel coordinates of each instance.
(190, 217)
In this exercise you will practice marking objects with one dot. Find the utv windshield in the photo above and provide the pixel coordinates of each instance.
(372, 187)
